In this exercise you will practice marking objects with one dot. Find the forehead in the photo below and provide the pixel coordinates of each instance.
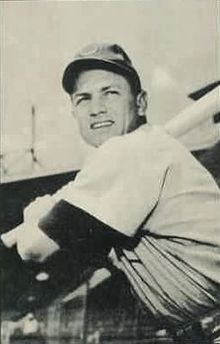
(90, 80)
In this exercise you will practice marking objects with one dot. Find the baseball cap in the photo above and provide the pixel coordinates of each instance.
(104, 56)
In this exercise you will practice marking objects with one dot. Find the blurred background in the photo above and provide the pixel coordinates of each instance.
(173, 44)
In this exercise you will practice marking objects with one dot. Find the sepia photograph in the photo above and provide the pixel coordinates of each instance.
(110, 172)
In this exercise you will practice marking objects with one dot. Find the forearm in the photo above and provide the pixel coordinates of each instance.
(67, 227)
(76, 230)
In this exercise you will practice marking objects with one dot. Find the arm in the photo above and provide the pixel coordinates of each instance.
(68, 227)
(104, 206)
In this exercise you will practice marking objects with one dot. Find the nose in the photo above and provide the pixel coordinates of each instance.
(98, 106)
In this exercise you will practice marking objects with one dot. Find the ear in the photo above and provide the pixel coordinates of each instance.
(141, 102)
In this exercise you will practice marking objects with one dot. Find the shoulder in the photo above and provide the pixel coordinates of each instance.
(145, 139)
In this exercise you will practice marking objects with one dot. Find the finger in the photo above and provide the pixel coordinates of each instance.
(9, 239)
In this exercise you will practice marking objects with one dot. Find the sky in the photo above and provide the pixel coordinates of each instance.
(175, 46)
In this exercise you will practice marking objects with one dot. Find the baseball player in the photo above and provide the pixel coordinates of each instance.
(141, 198)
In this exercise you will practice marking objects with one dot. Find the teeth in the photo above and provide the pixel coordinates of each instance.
(103, 124)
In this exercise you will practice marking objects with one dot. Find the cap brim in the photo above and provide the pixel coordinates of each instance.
(75, 67)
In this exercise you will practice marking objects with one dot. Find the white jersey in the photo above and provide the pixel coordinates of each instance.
(147, 185)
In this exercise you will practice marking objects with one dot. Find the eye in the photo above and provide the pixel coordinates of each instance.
(82, 99)
(111, 92)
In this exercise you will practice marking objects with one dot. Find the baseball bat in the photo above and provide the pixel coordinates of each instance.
(196, 113)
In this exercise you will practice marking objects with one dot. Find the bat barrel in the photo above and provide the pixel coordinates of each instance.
(193, 115)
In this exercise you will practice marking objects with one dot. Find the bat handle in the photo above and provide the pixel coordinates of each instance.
(9, 239)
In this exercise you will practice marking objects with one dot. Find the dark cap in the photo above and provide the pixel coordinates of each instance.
(104, 56)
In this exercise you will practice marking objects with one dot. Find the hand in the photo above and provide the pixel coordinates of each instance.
(32, 213)
(32, 243)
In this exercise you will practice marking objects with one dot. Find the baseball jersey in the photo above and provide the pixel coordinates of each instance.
(145, 184)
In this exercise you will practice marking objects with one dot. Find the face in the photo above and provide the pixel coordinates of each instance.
(103, 106)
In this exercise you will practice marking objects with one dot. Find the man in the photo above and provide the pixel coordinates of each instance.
(141, 198)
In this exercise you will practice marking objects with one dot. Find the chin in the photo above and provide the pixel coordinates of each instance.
(95, 143)
(99, 139)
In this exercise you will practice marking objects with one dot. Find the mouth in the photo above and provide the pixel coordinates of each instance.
(101, 124)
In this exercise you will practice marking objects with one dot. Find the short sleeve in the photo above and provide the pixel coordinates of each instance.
(121, 183)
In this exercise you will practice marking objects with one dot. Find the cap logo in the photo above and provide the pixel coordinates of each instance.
(89, 51)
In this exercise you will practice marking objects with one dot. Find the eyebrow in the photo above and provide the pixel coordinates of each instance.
(103, 89)
(81, 94)
(106, 88)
